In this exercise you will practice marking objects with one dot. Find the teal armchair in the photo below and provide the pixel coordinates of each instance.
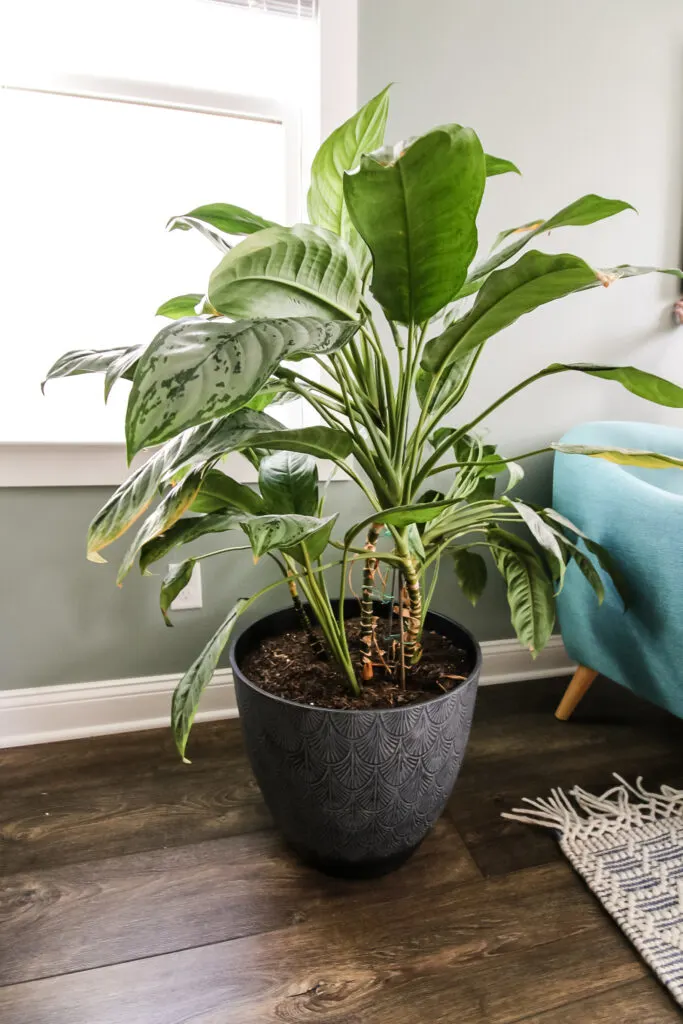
(638, 515)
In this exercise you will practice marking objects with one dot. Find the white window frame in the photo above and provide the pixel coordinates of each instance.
(87, 464)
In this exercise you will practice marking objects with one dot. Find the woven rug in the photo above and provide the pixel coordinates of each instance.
(628, 846)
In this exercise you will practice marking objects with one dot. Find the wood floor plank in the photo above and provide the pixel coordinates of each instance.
(461, 957)
(107, 911)
(641, 1002)
(519, 749)
(63, 803)
(138, 890)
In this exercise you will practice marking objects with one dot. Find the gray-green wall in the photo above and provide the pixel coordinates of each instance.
(584, 97)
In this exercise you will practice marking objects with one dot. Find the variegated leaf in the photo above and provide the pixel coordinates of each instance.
(84, 360)
(193, 447)
(124, 367)
(297, 271)
(196, 679)
(288, 532)
(196, 370)
(168, 511)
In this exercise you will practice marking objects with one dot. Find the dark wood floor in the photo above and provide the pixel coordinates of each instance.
(137, 890)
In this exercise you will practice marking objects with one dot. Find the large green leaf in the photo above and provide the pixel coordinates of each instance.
(168, 511)
(183, 532)
(340, 152)
(288, 482)
(471, 573)
(196, 679)
(322, 442)
(220, 491)
(175, 581)
(180, 306)
(535, 279)
(498, 165)
(197, 446)
(416, 207)
(622, 456)
(638, 382)
(297, 271)
(586, 210)
(287, 533)
(529, 590)
(231, 220)
(196, 370)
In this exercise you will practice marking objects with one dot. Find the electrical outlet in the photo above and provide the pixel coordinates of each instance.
(191, 596)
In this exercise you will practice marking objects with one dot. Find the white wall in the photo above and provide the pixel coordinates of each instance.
(585, 97)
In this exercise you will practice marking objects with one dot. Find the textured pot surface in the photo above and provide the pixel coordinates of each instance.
(354, 792)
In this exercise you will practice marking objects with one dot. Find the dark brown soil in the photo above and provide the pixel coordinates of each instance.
(286, 666)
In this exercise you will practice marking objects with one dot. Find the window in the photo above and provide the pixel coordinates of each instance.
(119, 120)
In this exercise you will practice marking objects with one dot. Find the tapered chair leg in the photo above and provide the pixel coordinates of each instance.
(578, 687)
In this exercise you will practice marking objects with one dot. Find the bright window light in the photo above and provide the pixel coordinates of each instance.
(89, 183)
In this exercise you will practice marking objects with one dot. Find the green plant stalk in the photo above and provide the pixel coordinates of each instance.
(334, 634)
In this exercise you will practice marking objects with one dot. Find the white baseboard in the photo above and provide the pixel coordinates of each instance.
(46, 714)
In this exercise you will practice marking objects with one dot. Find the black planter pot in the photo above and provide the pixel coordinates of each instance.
(354, 792)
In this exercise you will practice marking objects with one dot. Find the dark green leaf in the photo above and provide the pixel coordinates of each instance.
(535, 279)
(196, 679)
(219, 491)
(638, 382)
(470, 569)
(586, 210)
(288, 482)
(185, 531)
(279, 272)
(340, 152)
(416, 207)
(176, 579)
(601, 553)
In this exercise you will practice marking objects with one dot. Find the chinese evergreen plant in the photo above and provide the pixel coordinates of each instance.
(372, 291)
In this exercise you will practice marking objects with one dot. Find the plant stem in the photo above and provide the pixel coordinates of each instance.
(367, 618)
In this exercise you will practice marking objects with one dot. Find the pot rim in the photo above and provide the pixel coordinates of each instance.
(237, 671)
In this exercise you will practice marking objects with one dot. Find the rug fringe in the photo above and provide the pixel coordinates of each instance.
(614, 810)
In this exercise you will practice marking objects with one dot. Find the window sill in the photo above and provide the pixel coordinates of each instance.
(95, 465)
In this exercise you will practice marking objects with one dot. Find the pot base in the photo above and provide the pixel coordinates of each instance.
(348, 869)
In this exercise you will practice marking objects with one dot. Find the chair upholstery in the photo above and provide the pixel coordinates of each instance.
(638, 515)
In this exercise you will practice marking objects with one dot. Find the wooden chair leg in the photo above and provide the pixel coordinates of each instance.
(578, 687)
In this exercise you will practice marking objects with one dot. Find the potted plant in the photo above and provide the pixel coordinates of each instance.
(356, 710)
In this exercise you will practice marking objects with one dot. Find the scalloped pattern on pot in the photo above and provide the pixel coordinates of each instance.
(360, 786)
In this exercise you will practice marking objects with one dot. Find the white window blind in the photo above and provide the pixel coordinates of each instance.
(297, 8)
